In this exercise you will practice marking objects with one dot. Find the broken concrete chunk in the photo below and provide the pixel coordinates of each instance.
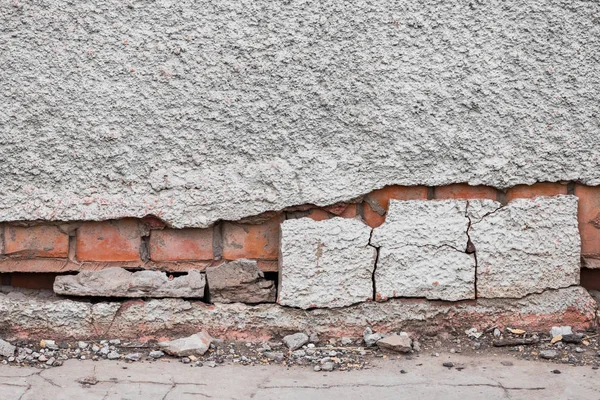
(239, 281)
(118, 282)
(6, 349)
(401, 343)
(526, 247)
(295, 341)
(325, 264)
(197, 344)
(371, 338)
(423, 250)
(560, 331)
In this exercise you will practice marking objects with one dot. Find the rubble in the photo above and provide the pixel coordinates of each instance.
(118, 282)
(6, 349)
(239, 281)
(401, 343)
(196, 344)
(295, 341)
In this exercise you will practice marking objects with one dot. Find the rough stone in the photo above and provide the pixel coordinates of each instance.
(401, 343)
(113, 355)
(197, 344)
(156, 354)
(526, 247)
(239, 281)
(548, 354)
(422, 251)
(38, 316)
(6, 349)
(295, 341)
(118, 282)
(461, 106)
(371, 338)
(560, 331)
(325, 264)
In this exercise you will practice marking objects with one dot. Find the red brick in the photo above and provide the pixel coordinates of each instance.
(35, 241)
(537, 189)
(337, 208)
(251, 241)
(589, 218)
(349, 212)
(109, 241)
(181, 245)
(383, 196)
(464, 191)
(590, 278)
(268, 265)
(318, 214)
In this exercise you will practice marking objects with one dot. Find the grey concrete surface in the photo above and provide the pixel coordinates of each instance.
(482, 378)
(199, 111)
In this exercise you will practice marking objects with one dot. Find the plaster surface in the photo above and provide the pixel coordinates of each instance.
(200, 111)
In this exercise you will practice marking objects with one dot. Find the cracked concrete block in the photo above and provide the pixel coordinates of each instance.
(528, 246)
(239, 281)
(325, 263)
(118, 282)
(423, 250)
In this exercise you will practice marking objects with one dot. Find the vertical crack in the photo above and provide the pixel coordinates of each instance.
(374, 266)
(470, 249)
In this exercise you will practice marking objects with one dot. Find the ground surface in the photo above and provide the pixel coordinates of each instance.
(471, 377)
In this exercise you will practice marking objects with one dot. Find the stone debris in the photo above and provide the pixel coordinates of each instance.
(548, 354)
(560, 331)
(239, 281)
(156, 354)
(371, 338)
(325, 264)
(6, 349)
(196, 344)
(118, 282)
(401, 343)
(295, 341)
(541, 233)
(113, 355)
(422, 250)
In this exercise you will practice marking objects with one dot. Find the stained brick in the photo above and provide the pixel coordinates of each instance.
(35, 241)
(465, 191)
(318, 214)
(181, 244)
(589, 219)
(538, 189)
(380, 200)
(109, 241)
(349, 212)
(251, 241)
(32, 281)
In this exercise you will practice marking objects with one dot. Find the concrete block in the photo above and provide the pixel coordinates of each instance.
(325, 263)
(239, 281)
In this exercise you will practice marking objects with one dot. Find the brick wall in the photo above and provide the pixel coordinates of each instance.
(32, 251)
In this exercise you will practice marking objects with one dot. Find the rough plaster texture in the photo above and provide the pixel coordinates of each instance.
(118, 282)
(423, 251)
(239, 281)
(199, 111)
(527, 247)
(325, 263)
(23, 315)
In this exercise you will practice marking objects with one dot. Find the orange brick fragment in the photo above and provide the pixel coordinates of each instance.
(589, 219)
(465, 191)
(251, 241)
(181, 244)
(118, 240)
(379, 199)
(535, 190)
(35, 241)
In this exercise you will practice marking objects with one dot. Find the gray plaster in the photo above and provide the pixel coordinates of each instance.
(199, 111)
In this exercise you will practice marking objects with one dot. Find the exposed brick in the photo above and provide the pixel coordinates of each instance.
(589, 218)
(35, 241)
(181, 244)
(318, 214)
(109, 241)
(349, 212)
(32, 281)
(251, 241)
(465, 191)
(337, 208)
(535, 190)
(380, 200)
(61, 265)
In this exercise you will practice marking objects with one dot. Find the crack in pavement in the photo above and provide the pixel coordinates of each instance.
(359, 385)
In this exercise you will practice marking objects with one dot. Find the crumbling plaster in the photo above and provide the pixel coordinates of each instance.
(200, 111)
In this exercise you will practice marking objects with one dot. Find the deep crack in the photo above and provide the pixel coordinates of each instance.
(374, 266)
(470, 248)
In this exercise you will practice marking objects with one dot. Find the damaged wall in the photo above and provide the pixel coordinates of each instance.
(200, 111)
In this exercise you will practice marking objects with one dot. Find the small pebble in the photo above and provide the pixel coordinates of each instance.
(555, 371)
(448, 364)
